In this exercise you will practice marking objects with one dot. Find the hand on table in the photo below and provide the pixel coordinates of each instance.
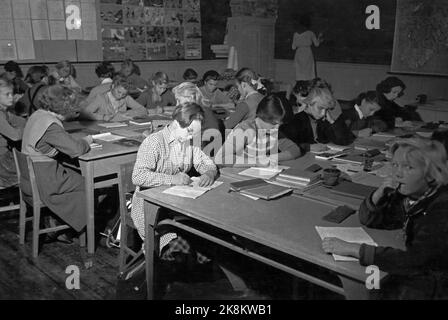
(181, 179)
(207, 179)
(340, 247)
(365, 133)
(318, 147)
(88, 139)
(388, 182)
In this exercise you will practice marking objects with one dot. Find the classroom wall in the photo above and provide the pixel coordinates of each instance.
(348, 80)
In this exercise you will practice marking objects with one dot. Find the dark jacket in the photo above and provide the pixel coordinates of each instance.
(420, 272)
(355, 123)
(390, 110)
(300, 131)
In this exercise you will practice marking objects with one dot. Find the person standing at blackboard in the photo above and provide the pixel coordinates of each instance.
(304, 38)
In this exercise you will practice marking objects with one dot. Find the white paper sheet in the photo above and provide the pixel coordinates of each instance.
(21, 9)
(39, 9)
(41, 30)
(6, 30)
(5, 9)
(191, 191)
(23, 29)
(90, 31)
(109, 137)
(354, 235)
(8, 50)
(56, 10)
(262, 173)
(113, 124)
(57, 30)
(25, 49)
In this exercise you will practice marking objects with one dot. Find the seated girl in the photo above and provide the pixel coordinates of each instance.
(15, 75)
(388, 91)
(44, 139)
(38, 79)
(11, 128)
(316, 123)
(65, 75)
(166, 157)
(413, 199)
(258, 141)
(190, 75)
(187, 92)
(131, 72)
(211, 95)
(248, 84)
(157, 95)
(359, 115)
(105, 71)
(114, 104)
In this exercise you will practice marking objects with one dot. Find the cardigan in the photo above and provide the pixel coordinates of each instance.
(421, 270)
(300, 131)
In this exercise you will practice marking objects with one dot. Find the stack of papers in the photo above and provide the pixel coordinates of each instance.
(191, 191)
(107, 137)
(113, 124)
(262, 173)
(354, 235)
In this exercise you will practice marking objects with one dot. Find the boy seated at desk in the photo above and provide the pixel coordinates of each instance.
(105, 72)
(165, 158)
(258, 141)
(157, 95)
(359, 114)
(113, 105)
(318, 122)
(413, 199)
(211, 94)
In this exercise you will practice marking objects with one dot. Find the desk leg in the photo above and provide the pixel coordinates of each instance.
(354, 290)
(87, 170)
(151, 215)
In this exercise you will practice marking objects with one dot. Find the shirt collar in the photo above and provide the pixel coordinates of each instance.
(168, 133)
(107, 80)
(361, 116)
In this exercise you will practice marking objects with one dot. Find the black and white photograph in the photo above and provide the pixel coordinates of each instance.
(224, 158)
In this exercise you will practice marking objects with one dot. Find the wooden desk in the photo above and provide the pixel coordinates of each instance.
(286, 224)
(101, 163)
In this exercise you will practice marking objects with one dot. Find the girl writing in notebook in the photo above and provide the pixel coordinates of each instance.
(258, 141)
(414, 199)
(157, 95)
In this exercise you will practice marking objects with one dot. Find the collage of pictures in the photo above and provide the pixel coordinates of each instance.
(151, 29)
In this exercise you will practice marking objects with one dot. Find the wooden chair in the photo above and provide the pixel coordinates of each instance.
(127, 257)
(27, 181)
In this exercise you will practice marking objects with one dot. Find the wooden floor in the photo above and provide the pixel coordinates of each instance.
(44, 278)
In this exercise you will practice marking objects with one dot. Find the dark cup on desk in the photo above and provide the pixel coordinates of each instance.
(422, 98)
(330, 176)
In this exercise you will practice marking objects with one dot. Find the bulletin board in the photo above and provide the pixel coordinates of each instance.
(35, 31)
(151, 29)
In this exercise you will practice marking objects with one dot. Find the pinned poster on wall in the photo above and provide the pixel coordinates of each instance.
(30, 26)
(151, 29)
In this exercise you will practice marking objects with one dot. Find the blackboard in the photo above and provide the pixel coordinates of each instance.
(342, 22)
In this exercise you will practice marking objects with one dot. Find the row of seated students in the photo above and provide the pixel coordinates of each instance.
(166, 157)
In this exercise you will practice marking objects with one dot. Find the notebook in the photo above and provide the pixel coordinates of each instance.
(260, 189)
(299, 175)
(262, 173)
(112, 125)
(353, 190)
(109, 137)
